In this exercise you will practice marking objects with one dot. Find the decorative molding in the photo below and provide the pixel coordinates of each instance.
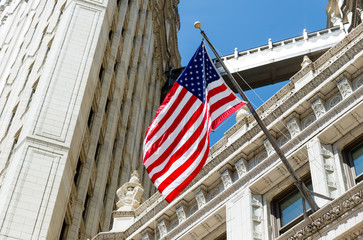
(181, 212)
(293, 125)
(241, 167)
(268, 147)
(200, 196)
(345, 87)
(318, 107)
(162, 227)
(226, 176)
(343, 207)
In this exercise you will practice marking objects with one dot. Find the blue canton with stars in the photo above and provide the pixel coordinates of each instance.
(198, 74)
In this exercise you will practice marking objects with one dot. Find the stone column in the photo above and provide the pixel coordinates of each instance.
(322, 170)
(245, 217)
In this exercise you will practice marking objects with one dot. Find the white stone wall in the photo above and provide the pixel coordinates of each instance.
(56, 169)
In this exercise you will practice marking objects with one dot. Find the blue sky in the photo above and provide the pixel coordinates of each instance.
(246, 24)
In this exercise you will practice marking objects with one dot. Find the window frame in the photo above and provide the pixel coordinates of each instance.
(348, 163)
(275, 208)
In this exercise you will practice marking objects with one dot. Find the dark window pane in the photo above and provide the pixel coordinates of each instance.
(357, 155)
(291, 207)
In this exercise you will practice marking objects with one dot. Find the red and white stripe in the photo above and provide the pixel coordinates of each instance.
(176, 144)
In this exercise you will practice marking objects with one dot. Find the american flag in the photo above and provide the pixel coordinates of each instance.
(176, 144)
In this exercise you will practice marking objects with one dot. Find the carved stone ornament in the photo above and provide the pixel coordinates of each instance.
(334, 101)
(306, 61)
(130, 194)
(268, 146)
(293, 126)
(162, 228)
(309, 120)
(241, 167)
(226, 178)
(180, 212)
(260, 157)
(146, 236)
(328, 217)
(318, 107)
(344, 87)
(326, 150)
(359, 82)
(200, 197)
(242, 113)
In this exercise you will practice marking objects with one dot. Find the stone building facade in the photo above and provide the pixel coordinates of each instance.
(244, 191)
(80, 81)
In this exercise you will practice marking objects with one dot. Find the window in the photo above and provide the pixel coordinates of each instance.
(287, 208)
(353, 159)
(90, 119)
(77, 175)
(100, 74)
(357, 159)
(97, 152)
(64, 230)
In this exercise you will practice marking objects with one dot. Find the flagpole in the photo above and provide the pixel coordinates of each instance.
(298, 182)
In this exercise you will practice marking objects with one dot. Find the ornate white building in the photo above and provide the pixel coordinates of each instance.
(244, 191)
(80, 81)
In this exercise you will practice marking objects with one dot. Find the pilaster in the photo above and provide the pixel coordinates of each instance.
(322, 170)
(246, 212)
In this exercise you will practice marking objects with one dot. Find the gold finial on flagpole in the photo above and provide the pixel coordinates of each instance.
(197, 25)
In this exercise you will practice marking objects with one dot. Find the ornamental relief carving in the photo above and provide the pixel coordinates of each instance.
(241, 167)
(308, 120)
(284, 139)
(226, 178)
(180, 212)
(359, 82)
(328, 217)
(293, 126)
(344, 87)
(318, 107)
(334, 101)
